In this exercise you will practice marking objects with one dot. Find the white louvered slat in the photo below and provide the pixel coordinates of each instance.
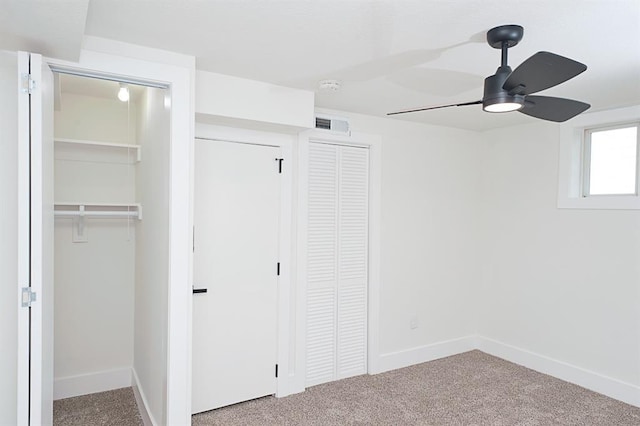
(322, 217)
(354, 213)
(352, 331)
(321, 335)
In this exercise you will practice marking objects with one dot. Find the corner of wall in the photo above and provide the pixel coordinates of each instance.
(141, 401)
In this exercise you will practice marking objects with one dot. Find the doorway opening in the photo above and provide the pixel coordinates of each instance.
(111, 237)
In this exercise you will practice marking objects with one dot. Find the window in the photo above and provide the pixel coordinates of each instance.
(610, 162)
(599, 164)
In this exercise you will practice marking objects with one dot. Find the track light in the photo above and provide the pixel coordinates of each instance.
(123, 93)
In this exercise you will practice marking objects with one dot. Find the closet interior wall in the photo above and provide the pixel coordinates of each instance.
(100, 321)
(152, 252)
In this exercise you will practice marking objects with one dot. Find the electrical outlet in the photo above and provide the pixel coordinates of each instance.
(413, 322)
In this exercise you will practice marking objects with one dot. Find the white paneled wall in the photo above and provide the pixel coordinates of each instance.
(337, 253)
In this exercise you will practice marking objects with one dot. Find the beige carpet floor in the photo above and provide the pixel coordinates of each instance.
(467, 389)
(113, 408)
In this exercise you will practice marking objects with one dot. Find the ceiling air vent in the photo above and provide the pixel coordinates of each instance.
(331, 123)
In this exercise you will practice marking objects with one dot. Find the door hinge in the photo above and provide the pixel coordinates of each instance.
(28, 297)
(278, 269)
(276, 370)
(279, 160)
(27, 84)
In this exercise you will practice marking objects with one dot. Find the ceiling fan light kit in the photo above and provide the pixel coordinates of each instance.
(495, 98)
(508, 90)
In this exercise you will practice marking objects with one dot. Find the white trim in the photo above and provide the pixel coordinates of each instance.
(23, 246)
(374, 143)
(608, 386)
(141, 401)
(84, 384)
(284, 385)
(178, 75)
(420, 354)
(570, 167)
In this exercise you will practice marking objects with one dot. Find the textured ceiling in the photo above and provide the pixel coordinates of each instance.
(389, 55)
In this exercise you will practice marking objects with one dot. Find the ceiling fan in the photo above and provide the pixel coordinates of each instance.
(508, 90)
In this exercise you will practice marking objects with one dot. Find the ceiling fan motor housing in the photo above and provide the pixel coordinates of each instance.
(495, 94)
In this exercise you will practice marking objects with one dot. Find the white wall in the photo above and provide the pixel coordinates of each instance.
(562, 284)
(152, 254)
(429, 257)
(94, 118)
(8, 238)
(243, 101)
(94, 281)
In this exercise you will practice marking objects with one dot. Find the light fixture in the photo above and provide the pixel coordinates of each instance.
(123, 93)
(496, 98)
(506, 104)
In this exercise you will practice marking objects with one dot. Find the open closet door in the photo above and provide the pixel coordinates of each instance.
(35, 241)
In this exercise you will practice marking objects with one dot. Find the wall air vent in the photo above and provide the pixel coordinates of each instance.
(333, 124)
(323, 123)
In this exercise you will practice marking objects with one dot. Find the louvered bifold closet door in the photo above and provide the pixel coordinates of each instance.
(322, 255)
(337, 253)
(353, 232)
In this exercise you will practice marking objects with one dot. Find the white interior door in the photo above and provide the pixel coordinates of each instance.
(35, 241)
(237, 199)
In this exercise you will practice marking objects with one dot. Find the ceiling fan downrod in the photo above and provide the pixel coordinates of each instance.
(497, 99)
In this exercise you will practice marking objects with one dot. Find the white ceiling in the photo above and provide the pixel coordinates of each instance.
(389, 54)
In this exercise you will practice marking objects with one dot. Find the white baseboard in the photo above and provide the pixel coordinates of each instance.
(141, 400)
(420, 354)
(84, 384)
(611, 387)
(289, 385)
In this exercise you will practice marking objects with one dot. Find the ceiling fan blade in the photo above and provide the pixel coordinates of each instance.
(542, 71)
(552, 109)
(434, 107)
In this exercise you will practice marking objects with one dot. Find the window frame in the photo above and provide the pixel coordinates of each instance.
(586, 158)
(571, 161)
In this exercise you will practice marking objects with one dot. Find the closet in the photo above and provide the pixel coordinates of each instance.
(111, 143)
(337, 261)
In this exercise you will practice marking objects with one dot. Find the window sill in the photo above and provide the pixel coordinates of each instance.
(604, 202)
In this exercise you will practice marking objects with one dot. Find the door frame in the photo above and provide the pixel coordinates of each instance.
(286, 292)
(374, 144)
(179, 80)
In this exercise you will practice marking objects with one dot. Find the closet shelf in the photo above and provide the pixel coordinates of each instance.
(106, 210)
(105, 144)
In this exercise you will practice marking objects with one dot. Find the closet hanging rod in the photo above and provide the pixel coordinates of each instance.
(98, 210)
